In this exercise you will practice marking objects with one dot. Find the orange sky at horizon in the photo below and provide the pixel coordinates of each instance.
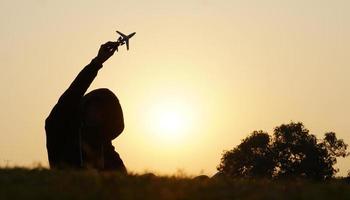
(199, 77)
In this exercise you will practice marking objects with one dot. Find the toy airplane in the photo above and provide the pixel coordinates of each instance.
(124, 39)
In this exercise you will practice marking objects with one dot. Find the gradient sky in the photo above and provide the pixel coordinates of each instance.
(225, 67)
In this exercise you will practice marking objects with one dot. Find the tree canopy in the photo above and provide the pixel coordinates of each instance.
(291, 152)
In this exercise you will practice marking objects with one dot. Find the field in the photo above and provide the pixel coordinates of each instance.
(45, 184)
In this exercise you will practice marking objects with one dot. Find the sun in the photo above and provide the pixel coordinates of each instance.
(170, 120)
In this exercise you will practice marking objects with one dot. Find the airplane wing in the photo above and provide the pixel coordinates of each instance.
(127, 44)
(124, 36)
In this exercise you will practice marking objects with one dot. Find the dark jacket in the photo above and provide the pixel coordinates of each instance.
(63, 126)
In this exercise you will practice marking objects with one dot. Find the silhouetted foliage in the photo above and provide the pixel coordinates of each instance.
(292, 152)
(252, 158)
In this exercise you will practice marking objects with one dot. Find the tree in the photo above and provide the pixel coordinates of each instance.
(292, 152)
(298, 154)
(252, 158)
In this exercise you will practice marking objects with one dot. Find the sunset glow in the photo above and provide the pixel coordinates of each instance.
(200, 75)
(170, 121)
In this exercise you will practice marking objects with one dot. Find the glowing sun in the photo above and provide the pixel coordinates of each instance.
(170, 120)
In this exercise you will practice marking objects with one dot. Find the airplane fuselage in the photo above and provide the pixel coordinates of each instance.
(124, 39)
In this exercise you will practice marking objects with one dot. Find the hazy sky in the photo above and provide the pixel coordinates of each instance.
(217, 69)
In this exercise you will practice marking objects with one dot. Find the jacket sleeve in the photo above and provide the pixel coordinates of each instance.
(62, 120)
(70, 99)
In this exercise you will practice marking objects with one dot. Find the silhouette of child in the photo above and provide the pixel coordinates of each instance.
(80, 129)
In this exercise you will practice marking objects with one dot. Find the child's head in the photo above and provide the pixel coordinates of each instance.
(101, 111)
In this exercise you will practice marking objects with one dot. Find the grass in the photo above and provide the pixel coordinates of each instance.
(20, 183)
